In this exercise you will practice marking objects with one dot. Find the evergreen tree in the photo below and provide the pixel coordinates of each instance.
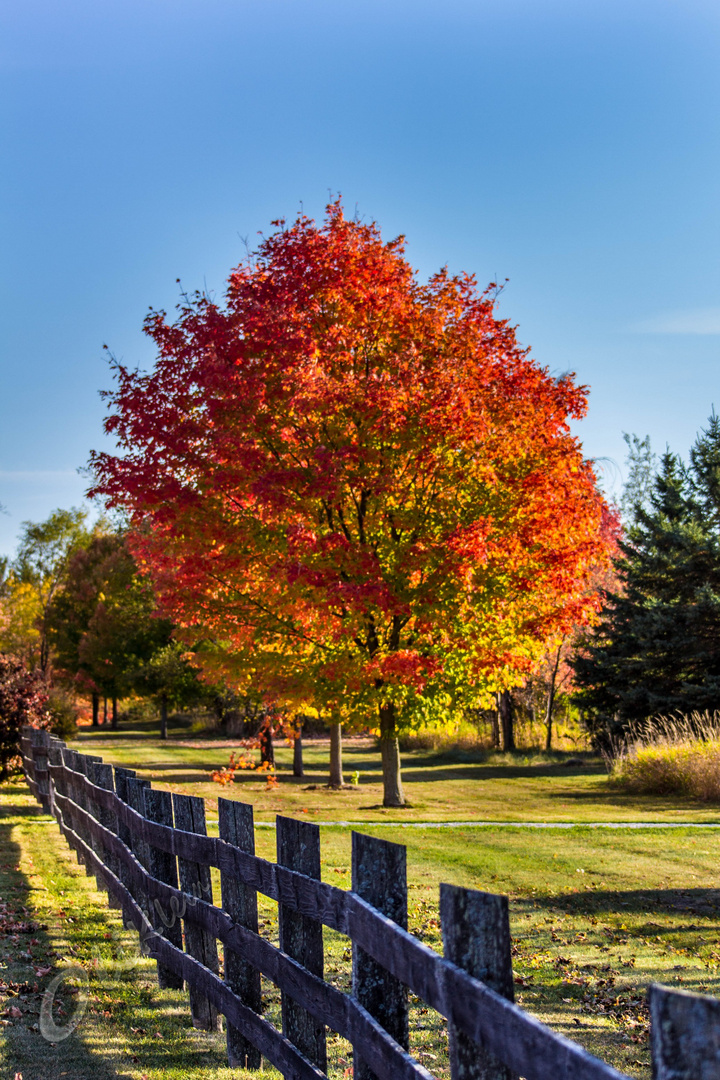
(656, 649)
(642, 467)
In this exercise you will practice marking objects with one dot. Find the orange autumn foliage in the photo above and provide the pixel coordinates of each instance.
(350, 482)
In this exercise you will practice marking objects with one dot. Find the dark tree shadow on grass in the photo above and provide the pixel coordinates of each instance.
(701, 902)
(439, 770)
(614, 796)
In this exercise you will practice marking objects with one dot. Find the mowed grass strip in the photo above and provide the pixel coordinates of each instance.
(596, 915)
(448, 786)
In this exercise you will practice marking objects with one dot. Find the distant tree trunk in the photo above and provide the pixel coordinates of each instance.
(336, 766)
(114, 713)
(495, 726)
(506, 720)
(551, 700)
(393, 794)
(44, 647)
(96, 709)
(163, 717)
(298, 749)
(104, 710)
(267, 750)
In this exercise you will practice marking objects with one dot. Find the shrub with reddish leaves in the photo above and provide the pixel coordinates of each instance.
(23, 696)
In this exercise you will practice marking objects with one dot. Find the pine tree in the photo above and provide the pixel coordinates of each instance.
(656, 649)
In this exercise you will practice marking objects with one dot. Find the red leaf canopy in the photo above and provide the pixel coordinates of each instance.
(351, 479)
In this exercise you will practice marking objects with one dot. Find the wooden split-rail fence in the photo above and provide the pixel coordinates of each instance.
(150, 851)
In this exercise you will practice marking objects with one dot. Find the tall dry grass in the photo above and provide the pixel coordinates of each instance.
(671, 755)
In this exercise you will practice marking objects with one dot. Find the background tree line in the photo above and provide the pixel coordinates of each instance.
(77, 616)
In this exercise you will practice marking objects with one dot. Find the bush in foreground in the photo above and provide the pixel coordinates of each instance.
(672, 756)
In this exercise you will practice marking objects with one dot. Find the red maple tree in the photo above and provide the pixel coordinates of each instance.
(355, 484)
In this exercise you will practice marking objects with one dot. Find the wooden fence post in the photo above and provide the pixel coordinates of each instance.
(163, 866)
(240, 902)
(298, 848)
(476, 937)
(684, 1035)
(379, 875)
(55, 783)
(121, 790)
(195, 881)
(104, 779)
(135, 790)
(39, 740)
(25, 747)
(91, 772)
(80, 767)
(70, 790)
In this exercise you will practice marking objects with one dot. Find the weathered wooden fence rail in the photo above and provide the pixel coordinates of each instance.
(150, 851)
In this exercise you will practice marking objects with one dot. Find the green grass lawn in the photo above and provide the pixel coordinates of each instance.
(457, 786)
(595, 914)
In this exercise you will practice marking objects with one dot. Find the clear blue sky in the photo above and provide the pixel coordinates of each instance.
(572, 147)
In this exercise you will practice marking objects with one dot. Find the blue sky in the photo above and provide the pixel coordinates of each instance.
(570, 147)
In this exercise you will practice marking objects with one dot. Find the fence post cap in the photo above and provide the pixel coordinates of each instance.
(684, 1034)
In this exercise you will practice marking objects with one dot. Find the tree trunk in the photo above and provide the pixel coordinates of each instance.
(114, 713)
(44, 648)
(551, 701)
(96, 709)
(297, 749)
(495, 725)
(506, 720)
(104, 710)
(549, 717)
(267, 750)
(393, 794)
(336, 768)
(163, 717)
